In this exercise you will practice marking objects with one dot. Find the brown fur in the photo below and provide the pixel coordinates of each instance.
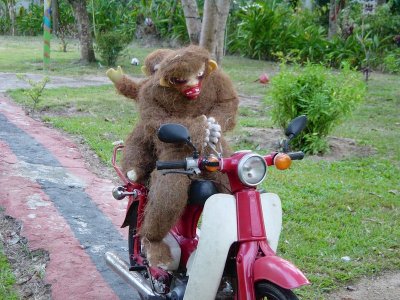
(152, 61)
(168, 194)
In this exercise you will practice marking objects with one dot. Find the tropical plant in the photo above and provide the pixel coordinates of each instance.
(266, 29)
(66, 27)
(29, 21)
(109, 45)
(324, 96)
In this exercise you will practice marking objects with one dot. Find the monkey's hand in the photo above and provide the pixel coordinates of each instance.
(115, 75)
(213, 133)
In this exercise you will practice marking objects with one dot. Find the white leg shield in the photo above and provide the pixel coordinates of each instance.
(218, 233)
(272, 214)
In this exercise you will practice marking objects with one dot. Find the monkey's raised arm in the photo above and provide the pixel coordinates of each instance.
(129, 88)
(125, 85)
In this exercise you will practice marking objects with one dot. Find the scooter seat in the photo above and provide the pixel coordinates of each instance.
(200, 191)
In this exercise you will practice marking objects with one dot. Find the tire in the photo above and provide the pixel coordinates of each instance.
(270, 291)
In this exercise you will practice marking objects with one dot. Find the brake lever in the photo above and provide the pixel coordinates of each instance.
(195, 171)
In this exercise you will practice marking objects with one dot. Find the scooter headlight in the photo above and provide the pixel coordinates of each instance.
(252, 169)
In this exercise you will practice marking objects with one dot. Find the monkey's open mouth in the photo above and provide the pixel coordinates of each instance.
(192, 93)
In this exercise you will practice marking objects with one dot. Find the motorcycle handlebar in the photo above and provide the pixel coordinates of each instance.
(165, 165)
(296, 155)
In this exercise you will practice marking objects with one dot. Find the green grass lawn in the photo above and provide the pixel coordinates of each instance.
(7, 279)
(331, 209)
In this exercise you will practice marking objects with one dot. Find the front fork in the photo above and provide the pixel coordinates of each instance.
(244, 266)
(255, 260)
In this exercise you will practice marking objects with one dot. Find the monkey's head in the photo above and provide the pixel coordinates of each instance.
(185, 70)
(153, 60)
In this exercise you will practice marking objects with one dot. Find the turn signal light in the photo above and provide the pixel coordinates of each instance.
(282, 161)
(215, 160)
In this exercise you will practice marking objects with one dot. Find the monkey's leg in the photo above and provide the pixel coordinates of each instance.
(168, 197)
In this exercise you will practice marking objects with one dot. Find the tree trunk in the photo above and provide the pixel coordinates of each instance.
(223, 12)
(55, 16)
(11, 13)
(334, 10)
(332, 30)
(193, 21)
(213, 28)
(85, 35)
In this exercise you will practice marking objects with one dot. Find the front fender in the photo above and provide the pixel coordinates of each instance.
(279, 271)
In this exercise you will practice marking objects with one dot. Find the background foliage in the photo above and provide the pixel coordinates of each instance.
(257, 29)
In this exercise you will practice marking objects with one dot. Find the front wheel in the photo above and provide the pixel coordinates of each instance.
(270, 291)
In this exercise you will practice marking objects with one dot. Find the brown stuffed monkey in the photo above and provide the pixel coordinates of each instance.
(188, 89)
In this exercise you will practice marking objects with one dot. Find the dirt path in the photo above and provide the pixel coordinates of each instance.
(9, 81)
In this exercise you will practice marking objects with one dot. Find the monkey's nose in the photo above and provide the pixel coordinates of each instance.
(192, 82)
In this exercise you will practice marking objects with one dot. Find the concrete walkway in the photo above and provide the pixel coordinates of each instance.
(65, 208)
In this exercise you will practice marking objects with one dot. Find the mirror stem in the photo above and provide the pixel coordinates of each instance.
(195, 152)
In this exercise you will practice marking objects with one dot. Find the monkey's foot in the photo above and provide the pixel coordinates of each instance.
(158, 254)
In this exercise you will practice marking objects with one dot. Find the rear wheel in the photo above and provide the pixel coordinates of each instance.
(270, 291)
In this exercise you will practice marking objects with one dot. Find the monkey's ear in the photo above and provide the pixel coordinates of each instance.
(212, 65)
(145, 71)
(163, 82)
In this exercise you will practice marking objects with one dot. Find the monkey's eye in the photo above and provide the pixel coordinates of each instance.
(200, 75)
(175, 80)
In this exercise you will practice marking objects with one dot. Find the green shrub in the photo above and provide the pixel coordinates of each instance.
(126, 16)
(5, 25)
(321, 94)
(391, 62)
(30, 21)
(267, 30)
(109, 45)
(364, 40)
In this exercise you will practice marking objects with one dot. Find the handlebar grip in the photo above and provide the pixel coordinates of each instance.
(165, 165)
(296, 155)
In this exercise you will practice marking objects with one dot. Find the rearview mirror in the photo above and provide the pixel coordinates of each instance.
(173, 133)
(296, 126)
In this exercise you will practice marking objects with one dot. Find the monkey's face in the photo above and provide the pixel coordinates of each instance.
(189, 86)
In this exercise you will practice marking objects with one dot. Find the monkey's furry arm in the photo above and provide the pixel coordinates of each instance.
(125, 85)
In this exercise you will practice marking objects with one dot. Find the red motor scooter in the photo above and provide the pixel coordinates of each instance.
(231, 256)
